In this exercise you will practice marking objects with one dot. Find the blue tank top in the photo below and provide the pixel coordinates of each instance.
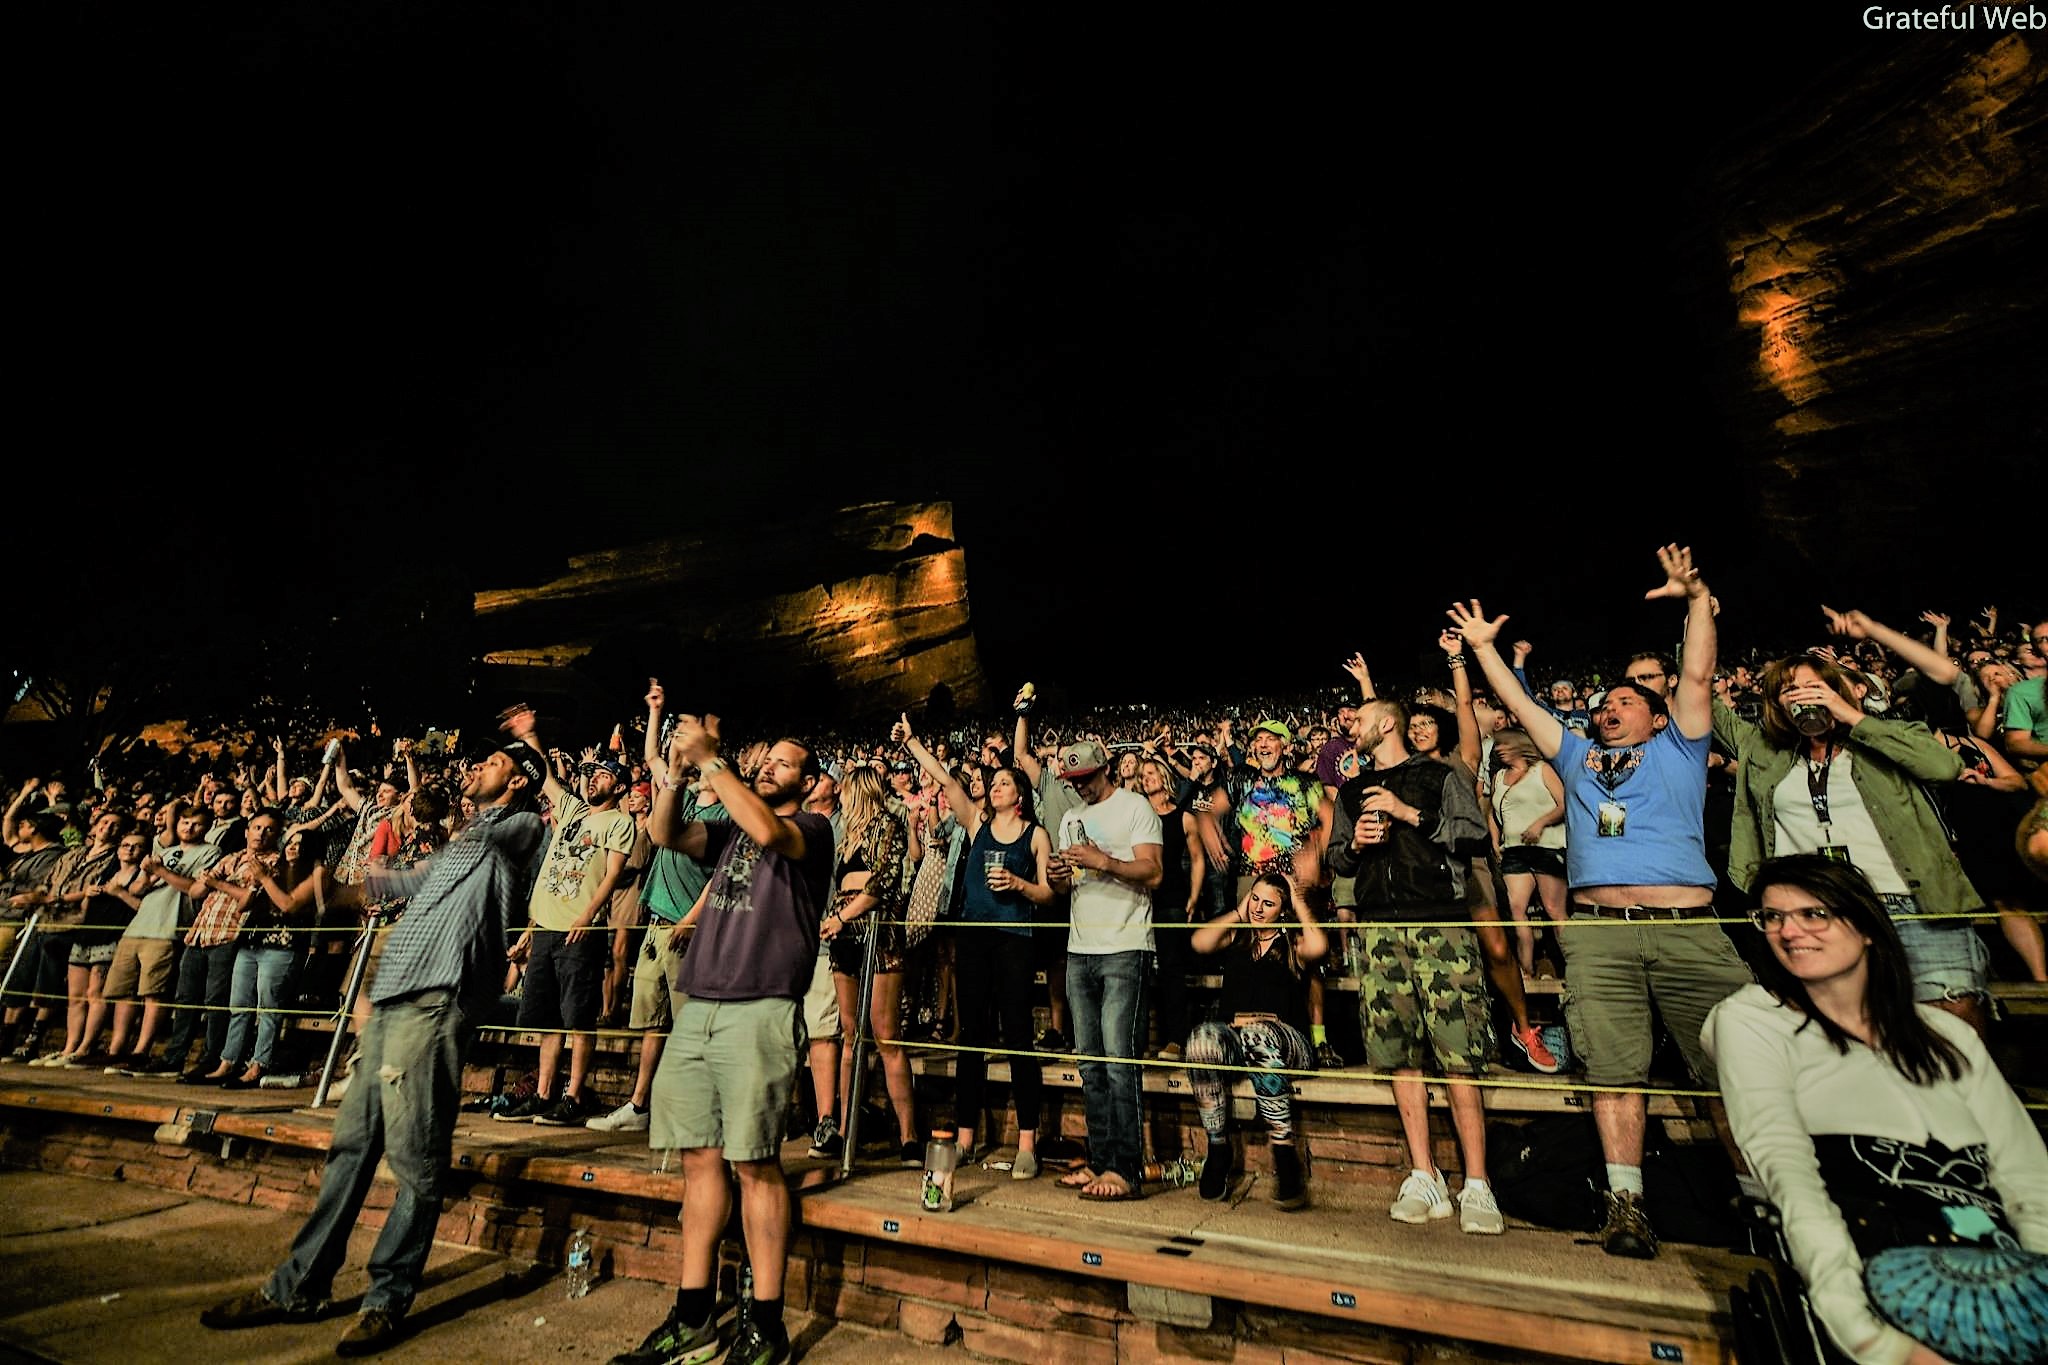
(1008, 908)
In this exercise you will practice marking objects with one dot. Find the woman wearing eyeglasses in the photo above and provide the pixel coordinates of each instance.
(1819, 775)
(1900, 1161)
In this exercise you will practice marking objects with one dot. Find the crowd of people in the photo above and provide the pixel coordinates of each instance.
(1871, 803)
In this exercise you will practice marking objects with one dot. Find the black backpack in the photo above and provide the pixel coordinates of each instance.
(1548, 1171)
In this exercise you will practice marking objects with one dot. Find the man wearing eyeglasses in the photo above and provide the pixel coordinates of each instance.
(2026, 706)
(1636, 855)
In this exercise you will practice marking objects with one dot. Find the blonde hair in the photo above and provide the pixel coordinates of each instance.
(865, 801)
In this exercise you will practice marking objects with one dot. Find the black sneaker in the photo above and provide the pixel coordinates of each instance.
(675, 1343)
(826, 1143)
(570, 1111)
(1627, 1231)
(754, 1347)
(912, 1156)
(199, 1075)
(29, 1048)
(1052, 1040)
(153, 1068)
(525, 1111)
(1328, 1058)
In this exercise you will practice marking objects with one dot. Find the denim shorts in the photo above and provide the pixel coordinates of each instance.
(1947, 959)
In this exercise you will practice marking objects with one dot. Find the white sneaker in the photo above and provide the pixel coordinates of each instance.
(1478, 1213)
(1423, 1199)
(624, 1119)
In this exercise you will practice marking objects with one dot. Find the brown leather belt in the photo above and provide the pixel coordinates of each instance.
(1642, 912)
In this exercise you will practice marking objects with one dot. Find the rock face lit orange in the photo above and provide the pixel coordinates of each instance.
(876, 601)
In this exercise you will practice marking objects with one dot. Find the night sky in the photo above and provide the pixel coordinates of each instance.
(1218, 328)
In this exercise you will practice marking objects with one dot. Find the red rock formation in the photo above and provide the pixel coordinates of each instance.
(862, 610)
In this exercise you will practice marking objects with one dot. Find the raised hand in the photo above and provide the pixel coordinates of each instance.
(1355, 666)
(900, 732)
(1853, 624)
(695, 742)
(1469, 620)
(1681, 579)
(1523, 649)
(519, 722)
(1937, 619)
(1450, 642)
(655, 698)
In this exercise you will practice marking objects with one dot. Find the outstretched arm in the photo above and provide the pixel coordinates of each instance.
(1480, 634)
(1934, 665)
(1692, 706)
(1453, 646)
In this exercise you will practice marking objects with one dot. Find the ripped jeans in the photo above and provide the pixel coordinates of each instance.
(402, 1107)
(1262, 1043)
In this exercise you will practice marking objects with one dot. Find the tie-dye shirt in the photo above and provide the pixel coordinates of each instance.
(1270, 817)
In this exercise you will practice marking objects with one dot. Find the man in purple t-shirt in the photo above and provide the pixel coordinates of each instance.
(722, 1093)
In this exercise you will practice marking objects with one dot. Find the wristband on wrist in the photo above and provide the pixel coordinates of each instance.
(1455, 660)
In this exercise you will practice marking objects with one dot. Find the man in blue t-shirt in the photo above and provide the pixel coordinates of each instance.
(1636, 861)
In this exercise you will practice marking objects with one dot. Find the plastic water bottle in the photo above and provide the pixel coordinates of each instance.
(582, 1264)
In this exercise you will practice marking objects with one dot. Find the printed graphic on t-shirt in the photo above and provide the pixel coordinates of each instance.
(568, 860)
(1612, 767)
(734, 888)
(1275, 816)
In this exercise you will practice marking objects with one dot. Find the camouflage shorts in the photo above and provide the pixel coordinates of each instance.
(1422, 996)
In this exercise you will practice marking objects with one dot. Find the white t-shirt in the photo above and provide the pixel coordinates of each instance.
(1111, 916)
(166, 909)
(1849, 823)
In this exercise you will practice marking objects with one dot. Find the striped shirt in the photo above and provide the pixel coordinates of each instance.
(453, 933)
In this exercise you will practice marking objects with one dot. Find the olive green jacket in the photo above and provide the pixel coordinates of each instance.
(1892, 759)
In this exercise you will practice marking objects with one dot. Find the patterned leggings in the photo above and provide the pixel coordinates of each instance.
(1266, 1043)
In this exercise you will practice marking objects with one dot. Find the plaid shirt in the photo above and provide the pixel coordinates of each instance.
(453, 933)
(220, 919)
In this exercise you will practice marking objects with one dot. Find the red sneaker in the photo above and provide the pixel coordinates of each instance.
(1530, 1041)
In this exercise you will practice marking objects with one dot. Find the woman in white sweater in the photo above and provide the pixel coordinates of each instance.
(1873, 1123)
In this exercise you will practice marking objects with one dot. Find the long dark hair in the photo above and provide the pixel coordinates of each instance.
(1027, 804)
(1286, 890)
(1897, 1032)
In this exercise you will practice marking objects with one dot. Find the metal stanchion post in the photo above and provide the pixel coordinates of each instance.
(857, 1082)
(21, 942)
(356, 973)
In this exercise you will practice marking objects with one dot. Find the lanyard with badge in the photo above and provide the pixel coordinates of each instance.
(1817, 793)
(1611, 768)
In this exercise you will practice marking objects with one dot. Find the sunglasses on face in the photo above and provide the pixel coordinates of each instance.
(1812, 918)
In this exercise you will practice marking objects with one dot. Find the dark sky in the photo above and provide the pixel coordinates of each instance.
(1214, 326)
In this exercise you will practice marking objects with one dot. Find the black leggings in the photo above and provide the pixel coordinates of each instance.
(992, 974)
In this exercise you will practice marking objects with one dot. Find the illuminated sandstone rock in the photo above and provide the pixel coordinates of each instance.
(861, 610)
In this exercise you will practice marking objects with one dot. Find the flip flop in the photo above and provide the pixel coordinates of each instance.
(1123, 1196)
(1078, 1180)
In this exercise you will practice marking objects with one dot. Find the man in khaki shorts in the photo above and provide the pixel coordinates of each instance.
(722, 1093)
(1636, 860)
(147, 955)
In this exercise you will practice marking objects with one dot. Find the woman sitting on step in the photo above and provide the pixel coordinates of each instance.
(1912, 1185)
(1264, 1023)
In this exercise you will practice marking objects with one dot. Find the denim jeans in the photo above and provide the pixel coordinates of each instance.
(205, 980)
(262, 977)
(402, 1107)
(1106, 1000)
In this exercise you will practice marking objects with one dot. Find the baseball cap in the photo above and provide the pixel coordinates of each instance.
(1274, 727)
(612, 766)
(1082, 760)
(902, 765)
(531, 762)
